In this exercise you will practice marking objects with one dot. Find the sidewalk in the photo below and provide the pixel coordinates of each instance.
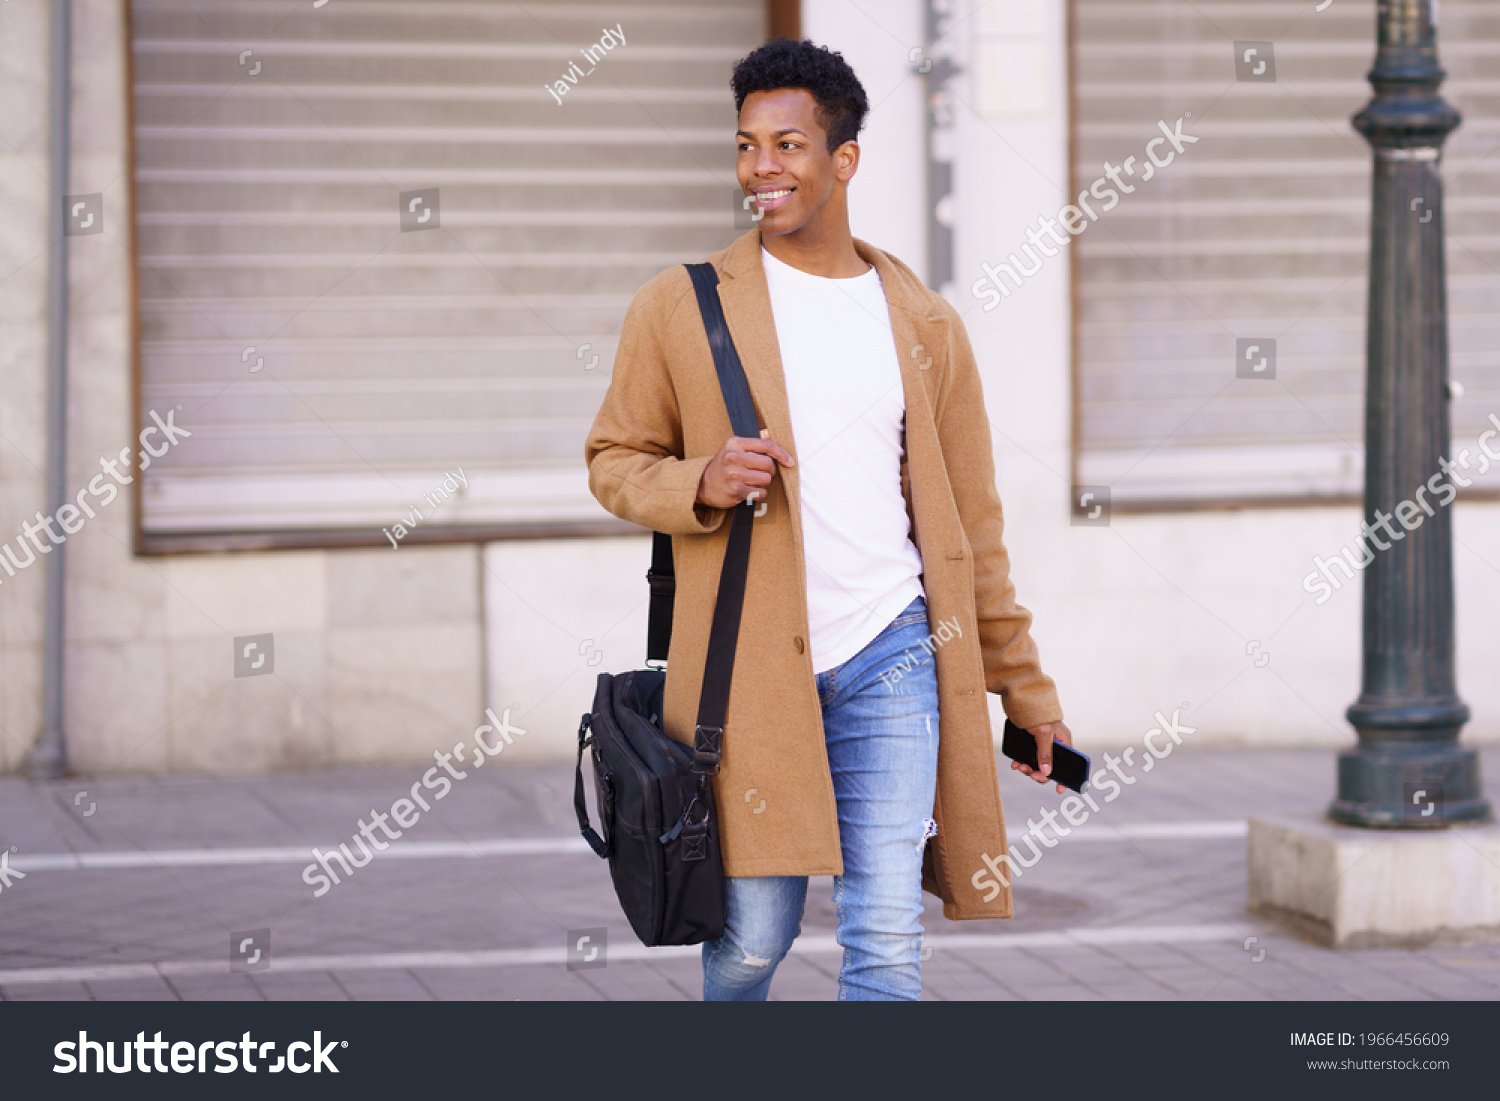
(1146, 902)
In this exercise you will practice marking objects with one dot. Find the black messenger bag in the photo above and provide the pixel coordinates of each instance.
(660, 831)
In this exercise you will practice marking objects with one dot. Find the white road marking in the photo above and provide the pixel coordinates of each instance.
(1164, 831)
(535, 846)
(532, 957)
(301, 854)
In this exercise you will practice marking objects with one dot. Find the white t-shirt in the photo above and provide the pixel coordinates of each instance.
(843, 384)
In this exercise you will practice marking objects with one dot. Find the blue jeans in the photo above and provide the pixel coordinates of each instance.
(880, 722)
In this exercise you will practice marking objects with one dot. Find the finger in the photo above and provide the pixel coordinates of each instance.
(766, 447)
(778, 454)
(1043, 749)
(745, 489)
(745, 460)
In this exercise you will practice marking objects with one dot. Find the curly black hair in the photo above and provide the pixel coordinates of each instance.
(786, 63)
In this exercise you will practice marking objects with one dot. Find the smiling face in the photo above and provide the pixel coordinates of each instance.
(784, 163)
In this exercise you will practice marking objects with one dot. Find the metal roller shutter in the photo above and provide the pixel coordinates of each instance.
(273, 141)
(1257, 233)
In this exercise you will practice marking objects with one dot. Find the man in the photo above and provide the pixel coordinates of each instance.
(878, 607)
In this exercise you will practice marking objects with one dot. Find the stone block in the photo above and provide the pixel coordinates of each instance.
(1357, 888)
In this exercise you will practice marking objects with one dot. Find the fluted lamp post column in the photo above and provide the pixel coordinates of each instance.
(1408, 770)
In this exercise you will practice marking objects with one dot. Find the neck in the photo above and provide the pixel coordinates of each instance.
(822, 250)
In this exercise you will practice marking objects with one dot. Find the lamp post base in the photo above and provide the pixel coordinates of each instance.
(1409, 786)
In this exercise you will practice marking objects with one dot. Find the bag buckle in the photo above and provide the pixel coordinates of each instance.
(708, 744)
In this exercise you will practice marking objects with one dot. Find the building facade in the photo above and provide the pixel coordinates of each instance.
(369, 260)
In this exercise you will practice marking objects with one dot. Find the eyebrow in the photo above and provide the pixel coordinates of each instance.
(779, 133)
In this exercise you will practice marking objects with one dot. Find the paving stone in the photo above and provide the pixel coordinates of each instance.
(62, 992)
(229, 987)
(297, 986)
(131, 990)
(73, 918)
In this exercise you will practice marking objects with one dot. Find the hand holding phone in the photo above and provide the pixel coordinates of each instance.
(1070, 769)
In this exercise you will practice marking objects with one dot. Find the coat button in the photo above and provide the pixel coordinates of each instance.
(798, 643)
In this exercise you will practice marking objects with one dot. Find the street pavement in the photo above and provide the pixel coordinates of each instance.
(150, 888)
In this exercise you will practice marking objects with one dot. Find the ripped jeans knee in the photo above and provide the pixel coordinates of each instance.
(738, 963)
(736, 972)
(765, 916)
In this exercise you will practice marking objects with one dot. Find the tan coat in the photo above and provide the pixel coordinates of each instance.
(663, 420)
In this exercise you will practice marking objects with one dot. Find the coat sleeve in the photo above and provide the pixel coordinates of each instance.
(1012, 666)
(635, 455)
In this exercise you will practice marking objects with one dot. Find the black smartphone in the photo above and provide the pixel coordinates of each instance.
(1069, 767)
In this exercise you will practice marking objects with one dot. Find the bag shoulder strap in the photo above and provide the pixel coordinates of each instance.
(662, 578)
(731, 372)
(723, 637)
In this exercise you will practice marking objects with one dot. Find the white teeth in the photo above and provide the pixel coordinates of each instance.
(767, 196)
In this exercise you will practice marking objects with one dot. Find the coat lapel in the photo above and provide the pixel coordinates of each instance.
(921, 337)
(747, 308)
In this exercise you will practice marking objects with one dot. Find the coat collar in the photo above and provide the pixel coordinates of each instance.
(742, 261)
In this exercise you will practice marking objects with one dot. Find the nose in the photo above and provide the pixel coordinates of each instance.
(766, 165)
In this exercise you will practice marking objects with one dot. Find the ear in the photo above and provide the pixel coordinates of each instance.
(846, 161)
